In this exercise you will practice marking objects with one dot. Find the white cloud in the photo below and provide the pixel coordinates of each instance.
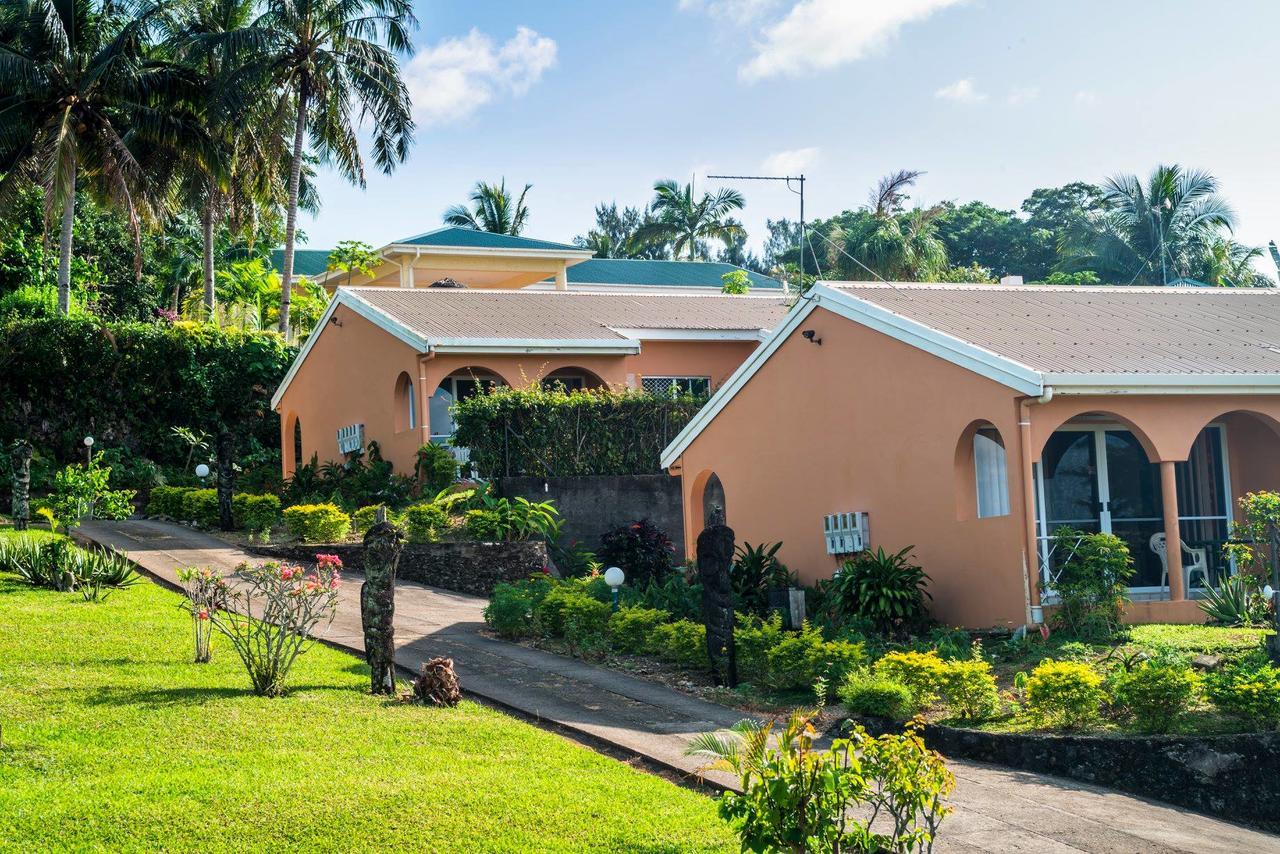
(961, 91)
(790, 162)
(1086, 98)
(1022, 95)
(816, 35)
(733, 11)
(452, 79)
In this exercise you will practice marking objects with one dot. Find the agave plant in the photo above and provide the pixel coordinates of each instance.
(1237, 601)
(59, 565)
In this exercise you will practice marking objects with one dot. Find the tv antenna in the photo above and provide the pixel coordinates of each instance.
(799, 179)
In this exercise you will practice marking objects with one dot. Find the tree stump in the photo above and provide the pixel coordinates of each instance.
(20, 460)
(382, 545)
(438, 683)
(715, 557)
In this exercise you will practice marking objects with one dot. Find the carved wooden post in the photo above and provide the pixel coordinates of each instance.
(226, 478)
(20, 460)
(715, 557)
(382, 545)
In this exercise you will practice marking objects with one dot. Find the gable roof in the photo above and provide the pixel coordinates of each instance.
(1075, 340)
(306, 262)
(470, 238)
(641, 271)
(522, 321)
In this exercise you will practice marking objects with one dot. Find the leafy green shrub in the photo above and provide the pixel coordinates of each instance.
(167, 501)
(549, 613)
(1092, 583)
(360, 479)
(484, 525)
(585, 622)
(1249, 690)
(683, 642)
(543, 433)
(436, 467)
(1065, 694)
(922, 672)
(886, 589)
(257, 514)
(756, 570)
(801, 658)
(753, 637)
(1156, 693)
(510, 610)
(366, 517)
(200, 506)
(864, 693)
(969, 688)
(641, 549)
(317, 523)
(630, 628)
(81, 491)
(675, 595)
(426, 523)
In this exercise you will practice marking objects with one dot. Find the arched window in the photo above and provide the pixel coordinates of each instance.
(406, 404)
(713, 501)
(990, 472)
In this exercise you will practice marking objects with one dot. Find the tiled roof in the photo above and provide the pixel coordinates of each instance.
(565, 315)
(636, 271)
(306, 262)
(470, 238)
(1099, 330)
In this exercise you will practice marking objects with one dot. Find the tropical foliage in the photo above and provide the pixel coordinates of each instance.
(687, 221)
(493, 209)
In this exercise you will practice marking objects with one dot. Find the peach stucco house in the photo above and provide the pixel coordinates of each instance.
(447, 312)
(971, 421)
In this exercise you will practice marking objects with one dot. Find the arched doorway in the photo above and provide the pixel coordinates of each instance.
(458, 386)
(571, 379)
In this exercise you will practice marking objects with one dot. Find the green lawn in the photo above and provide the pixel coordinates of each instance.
(113, 740)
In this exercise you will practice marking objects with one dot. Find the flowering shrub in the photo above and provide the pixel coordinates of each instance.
(922, 672)
(1156, 693)
(642, 550)
(317, 523)
(206, 593)
(289, 603)
(1064, 693)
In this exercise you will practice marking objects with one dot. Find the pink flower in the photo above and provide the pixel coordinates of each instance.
(288, 572)
(546, 570)
(329, 561)
(333, 582)
(204, 614)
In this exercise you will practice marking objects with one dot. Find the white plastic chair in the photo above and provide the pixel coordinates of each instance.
(1199, 561)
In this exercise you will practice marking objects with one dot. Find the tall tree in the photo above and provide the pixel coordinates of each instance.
(687, 223)
(895, 243)
(81, 98)
(1228, 264)
(492, 209)
(1152, 231)
(333, 63)
(615, 234)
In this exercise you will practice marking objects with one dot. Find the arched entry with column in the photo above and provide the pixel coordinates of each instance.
(457, 386)
(572, 378)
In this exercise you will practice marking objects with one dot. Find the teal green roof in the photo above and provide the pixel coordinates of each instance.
(306, 262)
(675, 274)
(470, 238)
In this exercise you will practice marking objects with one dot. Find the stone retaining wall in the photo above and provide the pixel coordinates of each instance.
(467, 567)
(1236, 777)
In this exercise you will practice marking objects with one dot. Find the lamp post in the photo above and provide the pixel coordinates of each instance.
(88, 449)
(202, 471)
(613, 576)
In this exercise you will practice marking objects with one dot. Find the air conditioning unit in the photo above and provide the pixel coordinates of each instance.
(846, 533)
(351, 438)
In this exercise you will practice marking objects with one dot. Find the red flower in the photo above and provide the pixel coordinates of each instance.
(546, 570)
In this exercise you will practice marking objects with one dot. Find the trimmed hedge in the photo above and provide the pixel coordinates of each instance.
(255, 513)
(539, 433)
(317, 523)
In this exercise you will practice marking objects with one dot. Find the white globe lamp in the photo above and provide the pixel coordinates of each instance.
(202, 471)
(614, 577)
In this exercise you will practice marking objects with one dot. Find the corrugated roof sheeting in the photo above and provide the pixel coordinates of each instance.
(436, 313)
(1099, 329)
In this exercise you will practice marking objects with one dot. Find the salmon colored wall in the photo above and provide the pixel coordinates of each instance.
(1253, 455)
(865, 422)
(715, 359)
(349, 377)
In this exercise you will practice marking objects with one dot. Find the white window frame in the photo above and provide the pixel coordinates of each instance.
(996, 503)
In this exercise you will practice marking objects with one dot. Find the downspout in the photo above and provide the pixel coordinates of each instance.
(1031, 547)
(424, 394)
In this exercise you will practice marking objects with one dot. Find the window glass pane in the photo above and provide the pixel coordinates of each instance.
(1202, 506)
(991, 474)
(677, 386)
(1070, 478)
(441, 420)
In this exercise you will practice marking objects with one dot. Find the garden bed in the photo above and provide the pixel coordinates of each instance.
(1236, 777)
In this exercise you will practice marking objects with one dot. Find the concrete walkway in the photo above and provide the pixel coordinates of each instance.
(997, 810)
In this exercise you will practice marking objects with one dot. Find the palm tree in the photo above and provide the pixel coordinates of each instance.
(332, 64)
(896, 244)
(81, 100)
(687, 223)
(492, 209)
(1229, 264)
(1151, 232)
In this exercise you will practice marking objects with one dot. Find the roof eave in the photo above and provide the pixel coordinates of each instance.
(1161, 384)
(418, 249)
(544, 346)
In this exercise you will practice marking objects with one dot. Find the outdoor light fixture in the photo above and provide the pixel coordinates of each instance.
(809, 334)
(88, 448)
(613, 576)
(334, 320)
(202, 471)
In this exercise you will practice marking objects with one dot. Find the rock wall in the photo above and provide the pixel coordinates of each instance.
(594, 505)
(1236, 777)
(467, 567)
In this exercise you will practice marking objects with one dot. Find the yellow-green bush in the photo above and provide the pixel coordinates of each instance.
(970, 688)
(317, 523)
(1251, 692)
(864, 693)
(630, 628)
(167, 501)
(200, 506)
(257, 514)
(683, 642)
(426, 523)
(922, 672)
(1156, 693)
(1064, 694)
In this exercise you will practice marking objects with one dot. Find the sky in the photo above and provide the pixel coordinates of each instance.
(593, 102)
